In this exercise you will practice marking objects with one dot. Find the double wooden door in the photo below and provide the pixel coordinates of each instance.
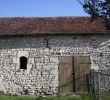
(73, 73)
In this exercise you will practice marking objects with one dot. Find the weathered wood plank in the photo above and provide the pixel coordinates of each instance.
(65, 74)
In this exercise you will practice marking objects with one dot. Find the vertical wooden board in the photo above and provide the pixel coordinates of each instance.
(65, 74)
(77, 72)
(82, 68)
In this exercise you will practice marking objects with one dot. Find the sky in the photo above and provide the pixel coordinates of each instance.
(40, 8)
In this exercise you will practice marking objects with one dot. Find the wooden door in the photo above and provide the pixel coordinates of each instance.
(73, 73)
(82, 68)
(65, 74)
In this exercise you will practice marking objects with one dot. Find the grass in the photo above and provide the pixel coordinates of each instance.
(17, 98)
(63, 97)
(77, 96)
(105, 96)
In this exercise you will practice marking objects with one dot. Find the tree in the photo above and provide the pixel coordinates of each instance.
(96, 9)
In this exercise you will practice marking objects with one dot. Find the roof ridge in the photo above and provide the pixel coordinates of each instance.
(46, 17)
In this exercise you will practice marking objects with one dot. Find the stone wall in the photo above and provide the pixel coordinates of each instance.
(41, 76)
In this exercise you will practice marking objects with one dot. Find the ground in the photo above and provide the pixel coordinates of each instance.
(63, 97)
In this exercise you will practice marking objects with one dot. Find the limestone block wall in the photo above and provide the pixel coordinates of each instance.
(41, 75)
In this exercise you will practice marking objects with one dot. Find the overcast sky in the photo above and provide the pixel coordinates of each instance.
(29, 8)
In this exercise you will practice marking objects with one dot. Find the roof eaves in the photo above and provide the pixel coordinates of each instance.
(53, 33)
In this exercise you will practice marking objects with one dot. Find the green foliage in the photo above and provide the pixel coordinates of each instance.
(97, 8)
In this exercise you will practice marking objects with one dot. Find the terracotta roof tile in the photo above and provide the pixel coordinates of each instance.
(39, 25)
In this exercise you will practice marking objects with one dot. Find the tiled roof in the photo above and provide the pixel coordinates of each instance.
(52, 25)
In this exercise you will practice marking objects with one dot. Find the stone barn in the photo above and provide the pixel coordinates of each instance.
(51, 55)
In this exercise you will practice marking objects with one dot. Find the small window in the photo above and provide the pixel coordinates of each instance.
(23, 62)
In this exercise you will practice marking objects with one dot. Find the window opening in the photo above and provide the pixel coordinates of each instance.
(23, 62)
